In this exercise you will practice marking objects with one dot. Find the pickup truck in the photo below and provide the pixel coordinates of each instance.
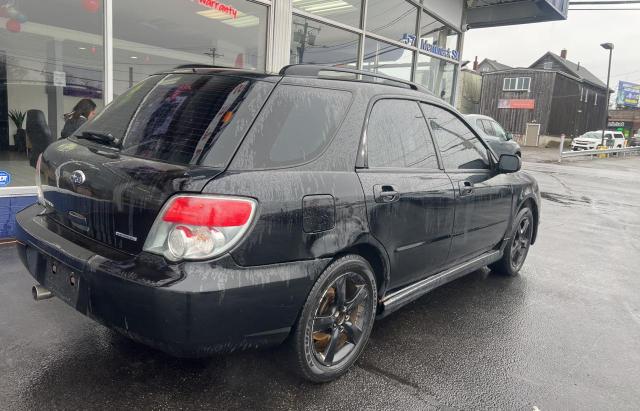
(592, 139)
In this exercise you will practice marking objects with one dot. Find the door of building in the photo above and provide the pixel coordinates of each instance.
(532, 135)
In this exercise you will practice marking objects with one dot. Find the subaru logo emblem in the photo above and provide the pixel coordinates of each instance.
(77, 177)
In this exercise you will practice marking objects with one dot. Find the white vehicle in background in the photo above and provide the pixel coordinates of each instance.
(592, 139)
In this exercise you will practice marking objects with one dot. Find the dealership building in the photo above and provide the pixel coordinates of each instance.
(54, 53)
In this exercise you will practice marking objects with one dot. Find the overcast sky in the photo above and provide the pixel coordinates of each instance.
(581, 34)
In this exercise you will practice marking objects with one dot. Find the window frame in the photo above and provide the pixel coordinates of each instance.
(440, 166)
(492, 157)
(515, 81)
(362, 160)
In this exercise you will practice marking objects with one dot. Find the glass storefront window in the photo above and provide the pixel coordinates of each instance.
(388, 59)
(51, 57)
(343, 11)
(317, 43)
(394, 19)
(437, 33)
(437, 75)
(149, 38)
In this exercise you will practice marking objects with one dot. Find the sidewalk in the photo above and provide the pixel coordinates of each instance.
(540, 154)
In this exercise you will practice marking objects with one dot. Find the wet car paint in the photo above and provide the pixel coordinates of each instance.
(466, 227)
(563, 335)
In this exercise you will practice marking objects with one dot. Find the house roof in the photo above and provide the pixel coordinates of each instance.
(495, 64)
(574, 69)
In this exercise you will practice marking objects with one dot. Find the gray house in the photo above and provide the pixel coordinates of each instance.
(560, 95)
(488, 66)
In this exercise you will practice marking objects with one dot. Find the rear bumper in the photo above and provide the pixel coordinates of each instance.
(213, 306)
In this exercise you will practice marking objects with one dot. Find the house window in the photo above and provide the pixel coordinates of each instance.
(586, 95)
(595, 100)
(548, 65)
(517, 84)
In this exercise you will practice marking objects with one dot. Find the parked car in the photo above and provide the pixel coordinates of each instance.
(634, 141)
(492, 132)
(592, 139)
(209, 210)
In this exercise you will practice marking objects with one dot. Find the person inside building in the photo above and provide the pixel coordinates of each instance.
(83, 111)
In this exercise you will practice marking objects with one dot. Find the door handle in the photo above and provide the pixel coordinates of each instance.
(466, 188)
(385, 194)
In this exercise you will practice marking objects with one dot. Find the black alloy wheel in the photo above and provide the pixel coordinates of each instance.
(517, 248)
(336, 320)
(521, 242)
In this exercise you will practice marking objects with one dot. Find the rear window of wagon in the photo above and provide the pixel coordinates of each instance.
(179, 118)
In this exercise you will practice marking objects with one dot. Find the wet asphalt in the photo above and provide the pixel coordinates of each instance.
(565, 334)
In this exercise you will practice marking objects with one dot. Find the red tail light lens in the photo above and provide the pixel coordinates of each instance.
(200, 227)
(208, 212)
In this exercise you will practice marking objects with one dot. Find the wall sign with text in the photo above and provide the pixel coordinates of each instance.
(517, 103)
(431, 48)
(221, 7)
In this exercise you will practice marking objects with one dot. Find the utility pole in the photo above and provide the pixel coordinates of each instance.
(213, 54)
(305, 38)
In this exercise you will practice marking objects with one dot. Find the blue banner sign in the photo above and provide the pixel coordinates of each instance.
(628, 94)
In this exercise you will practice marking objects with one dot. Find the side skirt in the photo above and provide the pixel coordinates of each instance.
(404, 296)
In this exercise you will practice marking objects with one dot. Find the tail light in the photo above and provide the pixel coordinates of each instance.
(39, 181)
(194, 227)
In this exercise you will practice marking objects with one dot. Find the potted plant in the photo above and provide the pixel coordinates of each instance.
(20, 138)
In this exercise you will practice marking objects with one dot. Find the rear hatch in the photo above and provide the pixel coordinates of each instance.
(171, 133)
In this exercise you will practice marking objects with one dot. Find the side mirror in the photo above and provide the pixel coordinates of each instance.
(509, 136)
(509, 163)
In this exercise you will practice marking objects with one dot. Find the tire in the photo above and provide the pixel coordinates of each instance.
(327, 340)
(517, 248)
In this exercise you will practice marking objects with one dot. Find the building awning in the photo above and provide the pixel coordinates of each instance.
(492, 13)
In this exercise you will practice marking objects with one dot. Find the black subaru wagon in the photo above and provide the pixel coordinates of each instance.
(210, 209)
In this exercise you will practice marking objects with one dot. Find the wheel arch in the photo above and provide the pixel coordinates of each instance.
(532, 204)
(375, 254)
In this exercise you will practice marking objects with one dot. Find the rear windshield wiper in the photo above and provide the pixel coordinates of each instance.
(104, 138)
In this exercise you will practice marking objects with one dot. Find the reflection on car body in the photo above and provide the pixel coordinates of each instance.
(264, 208)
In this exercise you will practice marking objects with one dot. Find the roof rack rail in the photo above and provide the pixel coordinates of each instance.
(314, 70)
(198, 65)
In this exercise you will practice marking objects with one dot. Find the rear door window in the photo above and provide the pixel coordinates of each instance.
(398, 136)
(458, 144)
(294, 127)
